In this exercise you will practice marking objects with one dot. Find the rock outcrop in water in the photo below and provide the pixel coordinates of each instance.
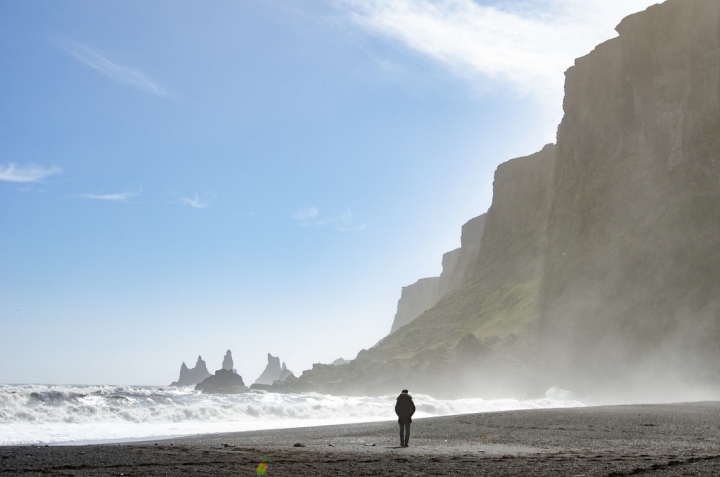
(223, 382)
(227, 363)
(192, 376)
(422, 295)
(599, 263)
(285, 373)
(272, 371)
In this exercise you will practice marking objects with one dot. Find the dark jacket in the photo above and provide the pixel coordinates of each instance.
(404, 408)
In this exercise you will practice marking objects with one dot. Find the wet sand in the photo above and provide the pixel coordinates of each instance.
(613, 441)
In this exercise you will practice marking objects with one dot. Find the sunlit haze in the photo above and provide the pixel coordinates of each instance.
(182, 178)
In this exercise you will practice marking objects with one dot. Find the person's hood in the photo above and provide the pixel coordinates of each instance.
(404, 396)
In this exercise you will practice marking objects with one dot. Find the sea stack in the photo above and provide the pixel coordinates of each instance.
(227, 363)
(192, 376)
(224, 381)
(272, 371)
(285, 373)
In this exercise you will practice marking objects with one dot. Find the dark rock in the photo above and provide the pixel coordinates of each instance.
(469, 347)
(190, 377)
(285, 373)
(291, 384)
(272, 371)
(223, 382)
(228, 361)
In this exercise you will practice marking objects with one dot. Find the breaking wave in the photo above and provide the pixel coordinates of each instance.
(40, 414)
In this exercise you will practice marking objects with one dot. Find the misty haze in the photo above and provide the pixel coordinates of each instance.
(235, 234)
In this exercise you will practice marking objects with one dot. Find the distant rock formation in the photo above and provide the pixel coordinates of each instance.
(223, 382)
(340, 362)
(272, 371)
(291, 384)
(279, 379)
(285, 373)
(422, 295)
(228, 362)
(190, 377)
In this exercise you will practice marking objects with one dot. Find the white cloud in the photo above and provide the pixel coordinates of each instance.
(117, 197)
(306, 214)
(343, 222)
(29, 173)
(198, 201)
(117, 72)
(524, 46)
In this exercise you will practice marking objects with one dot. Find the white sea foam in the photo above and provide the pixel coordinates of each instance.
(42, 414)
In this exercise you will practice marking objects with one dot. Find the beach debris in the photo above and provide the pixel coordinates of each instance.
(263, 466)
(370, 445)
(330, 445)
(481, 450)
(298, 444)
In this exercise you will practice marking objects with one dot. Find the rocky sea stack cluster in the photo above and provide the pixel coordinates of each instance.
(192, 376)
(226, 380)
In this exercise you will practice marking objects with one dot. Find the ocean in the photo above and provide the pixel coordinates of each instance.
(53, 414)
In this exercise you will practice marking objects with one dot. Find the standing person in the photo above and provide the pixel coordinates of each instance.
(404, 408)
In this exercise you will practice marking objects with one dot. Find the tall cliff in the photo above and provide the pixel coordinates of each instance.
(631, 291)
(599, 264)
(496, 298)
(422, 295)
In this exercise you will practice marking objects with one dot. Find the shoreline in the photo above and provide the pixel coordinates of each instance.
(662, 439)
(75, 416)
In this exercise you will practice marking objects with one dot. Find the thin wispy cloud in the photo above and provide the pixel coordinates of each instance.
(523, 46)
(310, 216)
(198, 201)
(28, 173)
(115, 71)
(307, 214)
(116, 197)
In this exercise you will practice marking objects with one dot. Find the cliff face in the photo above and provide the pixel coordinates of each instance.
(497, 296)
(599, 264)
(422, 295)
(414, 300)
(456, 262)
(632, 284)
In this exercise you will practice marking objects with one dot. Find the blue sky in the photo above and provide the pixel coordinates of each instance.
(181, 178)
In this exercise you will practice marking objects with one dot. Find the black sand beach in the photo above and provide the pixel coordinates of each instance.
(656, 440)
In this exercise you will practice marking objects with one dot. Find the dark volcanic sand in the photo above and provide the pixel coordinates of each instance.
(653, 440)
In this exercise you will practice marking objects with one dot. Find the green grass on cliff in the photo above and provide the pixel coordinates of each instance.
(469, 309)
